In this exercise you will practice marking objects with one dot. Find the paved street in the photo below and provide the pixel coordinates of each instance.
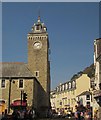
(46, 119)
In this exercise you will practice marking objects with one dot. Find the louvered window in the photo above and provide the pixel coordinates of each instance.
(3, 83)
(21, 83)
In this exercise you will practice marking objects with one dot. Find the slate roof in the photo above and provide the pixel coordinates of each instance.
(14, 69)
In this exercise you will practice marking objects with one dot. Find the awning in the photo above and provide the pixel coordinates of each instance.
(18, 103)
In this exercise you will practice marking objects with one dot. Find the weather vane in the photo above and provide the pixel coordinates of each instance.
(39, 12)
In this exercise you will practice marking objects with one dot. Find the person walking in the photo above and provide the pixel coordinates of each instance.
(77, 114)
(95, 115)
(87, 114)
(16, 115)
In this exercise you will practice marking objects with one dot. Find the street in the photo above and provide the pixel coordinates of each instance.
(43, 119)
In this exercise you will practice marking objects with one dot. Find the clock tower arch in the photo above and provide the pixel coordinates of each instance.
(38, 60)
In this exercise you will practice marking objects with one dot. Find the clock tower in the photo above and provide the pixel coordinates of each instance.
(38, 61)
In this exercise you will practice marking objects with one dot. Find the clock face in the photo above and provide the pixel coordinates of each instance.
(37, 45)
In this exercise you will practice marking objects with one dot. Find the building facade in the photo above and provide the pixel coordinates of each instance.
(33, 77)
(38, 60)
(67, 95)
(97, 63)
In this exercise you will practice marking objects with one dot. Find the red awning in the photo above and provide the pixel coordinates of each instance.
(18, 103)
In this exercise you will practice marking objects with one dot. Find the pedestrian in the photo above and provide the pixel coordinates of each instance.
(82, 115)
(88, 114)
(16, 115)
(77, 113)
(95, 115)
(4, 116)
(27, 114)
(32, 114)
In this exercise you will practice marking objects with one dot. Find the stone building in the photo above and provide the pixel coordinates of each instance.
(33, 77)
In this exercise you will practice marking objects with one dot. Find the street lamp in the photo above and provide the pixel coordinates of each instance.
(10, 80)
(9, 97)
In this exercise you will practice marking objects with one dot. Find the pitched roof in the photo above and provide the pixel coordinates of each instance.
(90, 71)
(84, 93)
(14, 69)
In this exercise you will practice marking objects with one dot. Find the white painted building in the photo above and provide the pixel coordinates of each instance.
(85, 98)
(97, 63)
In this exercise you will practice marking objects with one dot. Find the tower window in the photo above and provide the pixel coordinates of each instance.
(37, 27)
(20, 83)
(3, 83)
(36, 73)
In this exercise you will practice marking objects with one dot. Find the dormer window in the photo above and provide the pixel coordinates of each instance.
(66, 86)
(69, 85)
(63, 87)
(57, 89)
(60, 88)
(73, 84)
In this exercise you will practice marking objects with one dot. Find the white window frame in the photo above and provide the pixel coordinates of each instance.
(19, 84)
(36, 73)
(69, 85)
(63, 87)
(73, 84)
(4, 83)
(88, 97)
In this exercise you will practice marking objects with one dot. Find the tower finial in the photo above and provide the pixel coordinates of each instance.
(39, 12)
(39, 15)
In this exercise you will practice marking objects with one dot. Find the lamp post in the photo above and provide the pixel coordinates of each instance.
(22, 91)
(9, 97)
(10, 80)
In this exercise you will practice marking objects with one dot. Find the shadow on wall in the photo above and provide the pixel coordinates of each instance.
(41, 100)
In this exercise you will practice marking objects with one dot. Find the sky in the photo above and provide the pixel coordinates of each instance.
(72, 28)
